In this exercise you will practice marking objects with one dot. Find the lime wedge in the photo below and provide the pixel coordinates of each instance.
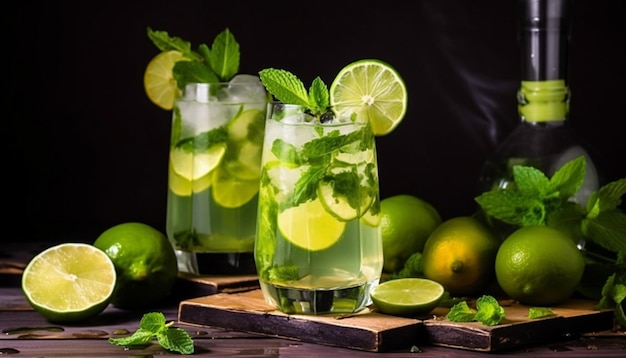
(407, 297)
(70, 282)
(374, 91)
(230, 192)
(245, 141)
(158, 80)
(309, 226)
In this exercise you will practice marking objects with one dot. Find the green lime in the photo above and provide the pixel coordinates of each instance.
(408, 297)
(460, 254)
(539, 266)
(158, 79)
(230, 192)
(70, 282)
(372, 89)
(145, 262)
(406, 221)
(309, 226)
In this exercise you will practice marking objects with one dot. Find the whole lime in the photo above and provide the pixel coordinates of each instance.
(406, 222)
(460, 254)
(539, 266)
(145, 263)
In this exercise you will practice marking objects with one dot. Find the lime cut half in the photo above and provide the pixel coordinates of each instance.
(158, 79)
(373, 90)
(407, 297)
(309, 226)
(69, 282)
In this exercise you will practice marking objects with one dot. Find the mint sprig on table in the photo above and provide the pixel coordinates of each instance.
(536, 199)
(488, 311)
(289, 89)
(218, 63)
(153, 326)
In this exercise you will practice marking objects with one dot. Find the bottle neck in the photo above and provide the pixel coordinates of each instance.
(544, 39)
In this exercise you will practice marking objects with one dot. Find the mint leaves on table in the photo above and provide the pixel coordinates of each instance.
(153, 326)
(536, 199)
(488, 311)
(288, 88)
(219, 63)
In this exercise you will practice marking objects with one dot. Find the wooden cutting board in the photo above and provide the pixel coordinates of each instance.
(376, 332)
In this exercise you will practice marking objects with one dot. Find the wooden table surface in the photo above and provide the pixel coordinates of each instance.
(24, 334)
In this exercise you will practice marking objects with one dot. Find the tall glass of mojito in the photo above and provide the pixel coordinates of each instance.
(213, 176)
(318, 247)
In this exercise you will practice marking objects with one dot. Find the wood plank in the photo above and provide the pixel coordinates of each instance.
(372, 331)
(248, 312)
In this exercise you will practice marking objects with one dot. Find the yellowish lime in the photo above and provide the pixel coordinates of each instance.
(406, 222)
(70, 282)
(310, 227)
(145, 262)
(539, 266)
(460, 254)
(373, 90)
(158, 79)
(230, 192)
(408, 297)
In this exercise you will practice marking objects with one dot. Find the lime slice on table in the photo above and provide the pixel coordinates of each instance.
(230, 192)
(245, 141)
(158, 79)
(309, 226)
(191, 171)
(70, 282)
(373, 90)
(407, 297)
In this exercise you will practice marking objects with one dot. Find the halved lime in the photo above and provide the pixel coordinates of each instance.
(372, 89)
(158, 80)
(245, 141)
(309, 226)
(230, 192)
(408, 297)
(70, 282)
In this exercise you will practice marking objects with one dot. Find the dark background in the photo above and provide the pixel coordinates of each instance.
(87, 150)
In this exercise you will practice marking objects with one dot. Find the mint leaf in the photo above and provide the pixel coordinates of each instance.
(285, 86)
(606, 198)
(461, 312)
(153, 325)
(176, 340)
(319, 98)
(540, 312)
(488, 311)
(164, 42)
(186, 72)
(224, 56)
(568, 179)
(285, 152)
(513, 207)
(607, 229)
(530, 181)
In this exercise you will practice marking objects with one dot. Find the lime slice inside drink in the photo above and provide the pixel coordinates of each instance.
(230, 192)
(407, 297)
(158, 79)
(191, 171)
(245, 141)
(309, 226)
(339, 205)
(69, 282)
(372, 89)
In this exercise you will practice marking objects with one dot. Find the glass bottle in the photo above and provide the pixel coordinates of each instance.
(543, 138)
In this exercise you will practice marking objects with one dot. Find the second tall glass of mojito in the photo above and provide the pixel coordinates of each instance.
(318, 247)
(213, 175)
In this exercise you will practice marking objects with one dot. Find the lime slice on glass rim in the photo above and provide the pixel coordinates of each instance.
(407, 297)
(372, 89)
(158, 79)
(309, 226)
(70, 282)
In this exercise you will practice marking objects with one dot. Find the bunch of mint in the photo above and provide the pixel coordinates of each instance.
(153, 326)
(219, 63)
(536, 199)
